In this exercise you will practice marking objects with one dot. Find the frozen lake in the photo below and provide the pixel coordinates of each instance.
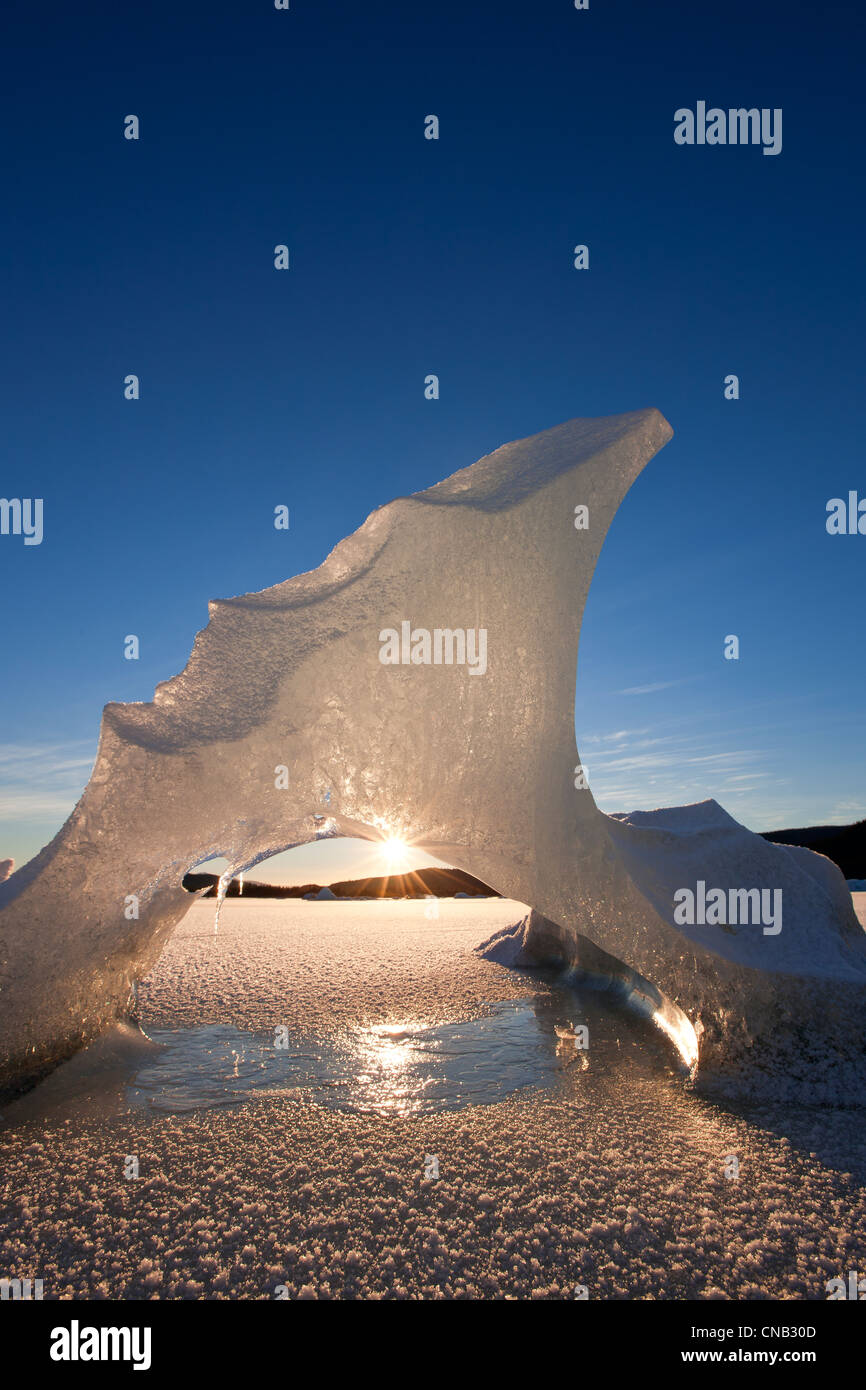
(212, 1167)
(233, 1034)
(394, 1068)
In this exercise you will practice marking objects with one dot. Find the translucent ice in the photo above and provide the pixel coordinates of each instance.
(287, 716)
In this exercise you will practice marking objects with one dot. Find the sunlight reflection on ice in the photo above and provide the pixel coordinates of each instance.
(404, 1067)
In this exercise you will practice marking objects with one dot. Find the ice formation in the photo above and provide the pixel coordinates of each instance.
(286, 718)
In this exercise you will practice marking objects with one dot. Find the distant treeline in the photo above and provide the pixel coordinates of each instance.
(442, 883)
(844, 844)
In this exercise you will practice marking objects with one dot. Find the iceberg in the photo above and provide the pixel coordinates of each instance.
(286, 719)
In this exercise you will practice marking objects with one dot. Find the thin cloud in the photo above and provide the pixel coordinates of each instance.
(618, 737)
(41, 782)
(648, 689)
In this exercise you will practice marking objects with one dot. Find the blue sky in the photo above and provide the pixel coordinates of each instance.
(411, 256)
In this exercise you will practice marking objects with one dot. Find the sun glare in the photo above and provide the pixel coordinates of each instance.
(394, 852)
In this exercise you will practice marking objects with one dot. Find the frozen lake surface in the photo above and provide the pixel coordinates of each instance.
(223, 1029)
(392, 1068)
(386, 1068)
(309, 1170)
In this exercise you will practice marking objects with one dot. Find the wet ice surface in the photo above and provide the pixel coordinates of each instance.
(555, 1039)
(396, 1068)
(400, 1068)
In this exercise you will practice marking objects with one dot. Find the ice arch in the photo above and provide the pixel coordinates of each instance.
(476, 768)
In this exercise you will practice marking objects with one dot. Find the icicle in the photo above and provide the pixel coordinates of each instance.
(222, 889)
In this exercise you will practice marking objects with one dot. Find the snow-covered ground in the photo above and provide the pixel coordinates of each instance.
(614, 1179)
(318, 964)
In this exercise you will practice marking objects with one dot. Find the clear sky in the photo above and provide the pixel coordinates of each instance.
(411, 256)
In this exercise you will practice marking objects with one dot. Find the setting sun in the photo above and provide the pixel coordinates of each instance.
(395, 853)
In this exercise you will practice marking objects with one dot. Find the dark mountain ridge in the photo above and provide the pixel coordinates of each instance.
(844, 844)
(441, 883)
